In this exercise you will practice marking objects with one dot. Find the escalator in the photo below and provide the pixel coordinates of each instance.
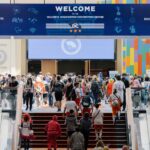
(142, 129)
(7, 119)
(141, 114)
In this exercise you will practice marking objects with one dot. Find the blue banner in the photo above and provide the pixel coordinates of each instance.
(74, 20)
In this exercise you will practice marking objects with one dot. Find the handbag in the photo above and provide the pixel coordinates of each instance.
(119, 100)
(31, 133)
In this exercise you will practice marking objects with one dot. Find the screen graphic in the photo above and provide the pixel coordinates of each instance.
(71, 49)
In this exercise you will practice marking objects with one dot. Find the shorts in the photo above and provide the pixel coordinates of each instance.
(77, 100)
(68, 113)
(98, 127)
(45, 95)
(86, 110)
(38, 94)
(58, 96)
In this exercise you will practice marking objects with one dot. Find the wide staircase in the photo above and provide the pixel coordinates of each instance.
(113, 135)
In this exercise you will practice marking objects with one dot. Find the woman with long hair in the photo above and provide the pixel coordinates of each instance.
(29, 89)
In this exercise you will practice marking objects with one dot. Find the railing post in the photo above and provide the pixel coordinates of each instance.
(130, 119)
(0, 113)
(18, 117)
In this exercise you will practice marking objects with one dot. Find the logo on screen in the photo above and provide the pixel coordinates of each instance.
(71, 46)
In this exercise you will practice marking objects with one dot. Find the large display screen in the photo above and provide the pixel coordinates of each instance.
(71, 48)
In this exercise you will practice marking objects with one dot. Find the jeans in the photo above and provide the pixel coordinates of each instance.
(145, 96)
(50, 99)
(29, 100)
(96, 98)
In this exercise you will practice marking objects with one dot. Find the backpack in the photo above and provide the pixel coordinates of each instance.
(115, 103)
(78, 143)
(73, 94)
(86, 101)
(71, 123)
(85, 125)
(94, 87)
(58, 87)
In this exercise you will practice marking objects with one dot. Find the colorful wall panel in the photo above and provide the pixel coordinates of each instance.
(136, 56)
(128, 1)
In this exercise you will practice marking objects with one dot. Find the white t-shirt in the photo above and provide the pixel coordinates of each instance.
(25, 129)
(70, 105)
(119, 86)
(146, 84)
(78, 91)
(98, 117)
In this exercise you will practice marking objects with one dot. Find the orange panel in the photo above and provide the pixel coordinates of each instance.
(127, 61)
(136, 68)
(136, 1)
(136, 43)
(147, 58)
(117, 1)
(146, 41)
(147, 67)
(140, 65)
(144, 1)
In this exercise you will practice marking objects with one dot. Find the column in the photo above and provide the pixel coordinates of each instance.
(86, 67)
(13, 56)
(118, 63)
(49, 66)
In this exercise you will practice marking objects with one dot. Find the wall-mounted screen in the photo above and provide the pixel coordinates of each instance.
(71, 48)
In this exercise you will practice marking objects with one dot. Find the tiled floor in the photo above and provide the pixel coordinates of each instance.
(104, 108)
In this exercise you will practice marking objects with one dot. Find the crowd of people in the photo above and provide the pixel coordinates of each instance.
(85, 91)
(81, 94)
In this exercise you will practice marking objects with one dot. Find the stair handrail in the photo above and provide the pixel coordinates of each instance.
(130, 120)
(0, 113)
(147, 123)
(19, 102)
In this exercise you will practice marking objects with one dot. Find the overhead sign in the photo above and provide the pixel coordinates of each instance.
(74, 20)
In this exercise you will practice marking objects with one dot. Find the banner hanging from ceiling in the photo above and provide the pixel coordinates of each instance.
(74, 20)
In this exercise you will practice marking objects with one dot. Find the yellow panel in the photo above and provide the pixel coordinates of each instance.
(124, 48)
(113, 1)
(144, 1)
(136, 68)
(147, 67)
(123, 69)
(124, 1)
(131, 56)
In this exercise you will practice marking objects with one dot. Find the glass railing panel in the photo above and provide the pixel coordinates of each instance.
(140, 99)
(10, 116)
